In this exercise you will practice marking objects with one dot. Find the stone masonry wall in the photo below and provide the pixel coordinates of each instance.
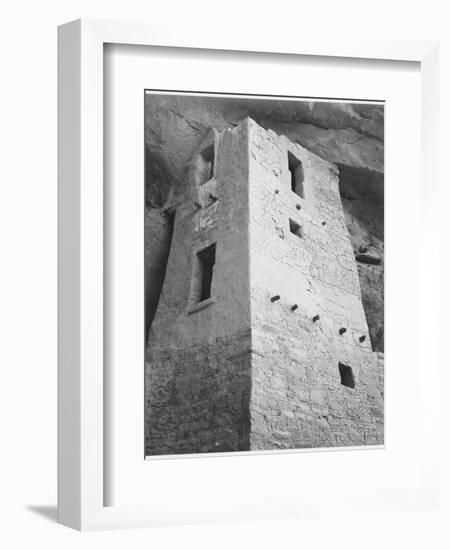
(198, 364)
(348, 135)
(256, 365)
(198, 398)
(297, 396)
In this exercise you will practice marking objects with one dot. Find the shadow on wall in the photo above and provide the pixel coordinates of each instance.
(362, 195)
(158, 239)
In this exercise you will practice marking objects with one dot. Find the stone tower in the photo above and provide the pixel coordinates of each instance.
(260, 339)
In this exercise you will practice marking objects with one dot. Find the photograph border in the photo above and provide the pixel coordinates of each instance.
(80, 228)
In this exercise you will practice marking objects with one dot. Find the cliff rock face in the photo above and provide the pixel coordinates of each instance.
(349, 135)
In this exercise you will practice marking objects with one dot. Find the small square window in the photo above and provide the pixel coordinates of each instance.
(296, 175)
(347, 378)
(203, 273)
(205, 165)
(295, 228)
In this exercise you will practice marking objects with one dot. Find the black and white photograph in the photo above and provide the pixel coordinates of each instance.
(224, 288)
(264, 270)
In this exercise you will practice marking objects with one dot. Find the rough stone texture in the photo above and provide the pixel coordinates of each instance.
(349, 135)
(297, 397)
(158, 238)
(198, 369)
(198, 397)
(362, 197)
(244, 370)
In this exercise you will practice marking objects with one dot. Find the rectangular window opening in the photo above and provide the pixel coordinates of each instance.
(347, 378)
(206, 261)
(206, 165)
(295, 228)
(296, 173)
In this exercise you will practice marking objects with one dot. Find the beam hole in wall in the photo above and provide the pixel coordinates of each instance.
(205, 165)
(295, 228)
(203, 274)
(347, 378)
(296, 174)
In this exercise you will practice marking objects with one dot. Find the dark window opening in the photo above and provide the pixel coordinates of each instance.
(347, 378)
(206, 165)
(295, 228)
(296, 173)
(206, 261)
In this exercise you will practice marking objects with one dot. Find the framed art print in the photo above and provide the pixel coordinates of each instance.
(234, 342)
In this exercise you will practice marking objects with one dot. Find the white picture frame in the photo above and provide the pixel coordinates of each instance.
(81, 481)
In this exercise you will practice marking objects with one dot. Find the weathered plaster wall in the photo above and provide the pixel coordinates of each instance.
(197, 397)
(240, 371)
(198, 370)
(297, 396)
(349, 135)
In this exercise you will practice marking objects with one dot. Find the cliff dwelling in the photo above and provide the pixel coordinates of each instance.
(264, 270)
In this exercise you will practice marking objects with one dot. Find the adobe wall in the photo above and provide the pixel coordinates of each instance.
(198, 363)
(348, 135)
(297, 397)
(240, 371)
(198, 397)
